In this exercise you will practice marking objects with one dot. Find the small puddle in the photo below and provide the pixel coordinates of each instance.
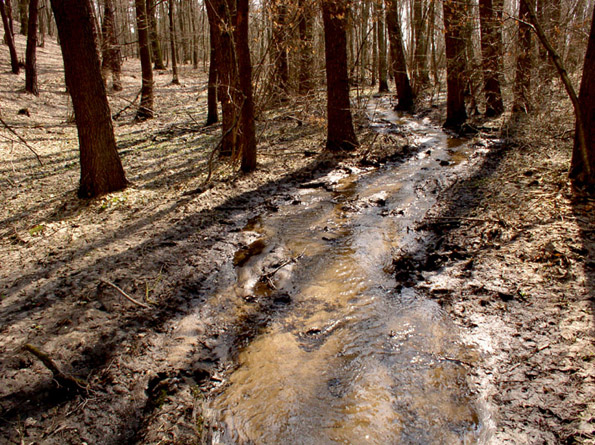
(349, 359)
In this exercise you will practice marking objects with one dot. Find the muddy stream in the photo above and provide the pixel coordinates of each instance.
(349, 357)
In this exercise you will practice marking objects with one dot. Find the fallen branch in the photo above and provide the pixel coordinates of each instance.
(130, 103)
(62, 379)
(125, 295)
(23, 141)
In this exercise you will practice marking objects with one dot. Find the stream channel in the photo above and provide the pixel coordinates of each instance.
(350, 357)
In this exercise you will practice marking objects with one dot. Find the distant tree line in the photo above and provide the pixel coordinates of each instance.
(482, 56)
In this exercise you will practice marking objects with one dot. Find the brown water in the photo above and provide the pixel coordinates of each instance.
(350, 359)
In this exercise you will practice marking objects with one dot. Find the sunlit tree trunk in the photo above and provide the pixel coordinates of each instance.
(279, 46)
(420, 56)
(145, 110)
(9, 38)
(31, 63)
(399, 65)
(112, 58)
(454, 23)
(340, 131)
(153, 36)
(306, 62)
(101, 169)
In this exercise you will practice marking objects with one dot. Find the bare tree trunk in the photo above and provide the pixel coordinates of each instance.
(399, 65)
(247, 133)
(101, 169)
(279, 44)
(522, 83)
(8, 37)
(490, 14)
(306, 62)
(420, 55)
(212, 116)
(375, 68)
(112, 58)
(172, 36)
(454, 24)
(42, 25)
(153, 36)
(30, 63)
(340, 131)
(382, 69)
(145, 110)
(23, 16)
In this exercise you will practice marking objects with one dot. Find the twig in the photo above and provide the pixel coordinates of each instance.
(125, 295)
(462, 218)
(23, 141)
(62, 379)
(130, 103)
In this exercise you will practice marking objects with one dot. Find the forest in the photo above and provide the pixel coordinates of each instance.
(297, 222)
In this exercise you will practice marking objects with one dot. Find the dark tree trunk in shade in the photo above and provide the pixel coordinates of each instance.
(340, 131)
(172, 36)
(112, 57)
(30, 63)
(582, 169)
(399, 65)
(247, 132)
(490, 15)
(9, 38)
(222, 14)
(454, 24)
(212, 116)
(156, 53)
(23, 6)
(306, 47)
(522, 82)
(382, 69)
(145, 110)
(101, 169)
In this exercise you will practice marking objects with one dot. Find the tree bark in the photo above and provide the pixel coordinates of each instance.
(112, 57)
(490, 14)
(399, 65)
(31, 85)
(582, 169)
(153, 36)
(420, 56)
(340, 131)
(172, 37)
(522, 83)
(9, 38)
(101, 169)
(212, 115)
(145, 110)
(382, 75)
(23, 16)
(454, 23)
(247, 133)
(279, 44)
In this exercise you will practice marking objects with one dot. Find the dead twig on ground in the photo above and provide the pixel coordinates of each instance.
(65, 380)
(130, 103)
(125, 295)
(23, 141)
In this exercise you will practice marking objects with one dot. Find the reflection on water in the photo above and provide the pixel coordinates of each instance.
(351, 360)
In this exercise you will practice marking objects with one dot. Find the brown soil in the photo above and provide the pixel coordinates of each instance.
(517, 249)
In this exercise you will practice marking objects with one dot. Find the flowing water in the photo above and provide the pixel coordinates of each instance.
(350, 359)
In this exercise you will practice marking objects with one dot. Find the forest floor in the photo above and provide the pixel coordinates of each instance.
(514, 265)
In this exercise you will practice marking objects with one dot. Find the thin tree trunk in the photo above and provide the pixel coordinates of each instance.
(522, 83)
(172, 36)
(375, 68)
(399, 65)
(247, 133)
(8, 36)
(212, 115)
(382, 69)
(23, 16)
(30, 64)
(145, 110)
(279, 44)
(340, 131)
(420, 29)
(454, 23)
(156, 53)
(112, 58)
(491, 49)
(101, 168)
(42, 25)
